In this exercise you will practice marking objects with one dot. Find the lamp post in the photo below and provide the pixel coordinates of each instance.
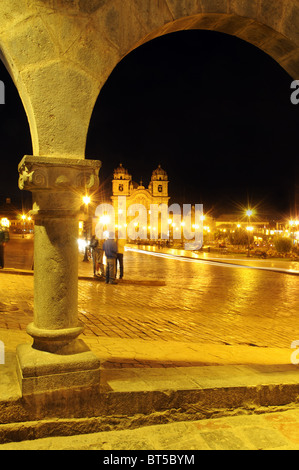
(86, 201)
(249, 213)
(23, 217)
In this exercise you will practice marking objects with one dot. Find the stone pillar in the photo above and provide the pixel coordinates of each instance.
(57, 358)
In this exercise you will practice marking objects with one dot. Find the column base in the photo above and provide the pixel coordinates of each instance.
(40, 371)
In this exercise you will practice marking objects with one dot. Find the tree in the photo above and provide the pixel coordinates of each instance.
(283, 244)
(240, 237)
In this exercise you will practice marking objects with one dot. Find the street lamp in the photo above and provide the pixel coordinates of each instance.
(5, 223)
(249, 213)
(86, 201)
(23, 217)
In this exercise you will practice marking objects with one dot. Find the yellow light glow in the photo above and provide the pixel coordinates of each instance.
(249, 213)
(249, 229)
(86, 200)
(4, 222)
(105, 219)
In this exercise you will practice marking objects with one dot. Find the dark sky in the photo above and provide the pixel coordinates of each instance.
(213, 110)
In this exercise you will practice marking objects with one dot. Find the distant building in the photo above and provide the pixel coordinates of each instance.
(155, 193)
(17, 221)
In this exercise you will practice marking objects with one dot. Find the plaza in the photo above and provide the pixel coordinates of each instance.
(154, 343)
(179, 338)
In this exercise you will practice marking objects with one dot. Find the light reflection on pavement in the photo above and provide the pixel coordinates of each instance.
(226, 261)
(201, 302)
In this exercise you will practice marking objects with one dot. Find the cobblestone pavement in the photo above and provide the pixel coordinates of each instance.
(194, 304)
(197, 303)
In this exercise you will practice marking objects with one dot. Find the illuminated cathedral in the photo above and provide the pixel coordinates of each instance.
(155, 193)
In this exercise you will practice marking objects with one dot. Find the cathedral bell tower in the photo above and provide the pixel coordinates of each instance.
(121, 186)
(159, 183)
(121, 182)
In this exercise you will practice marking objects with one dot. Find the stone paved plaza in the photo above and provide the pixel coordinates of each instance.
(196, 303)
(185, 317)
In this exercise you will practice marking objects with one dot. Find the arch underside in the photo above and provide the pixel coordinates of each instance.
(273, 43)
(60, 54)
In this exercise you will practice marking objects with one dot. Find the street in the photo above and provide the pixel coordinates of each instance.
(199, 303)
(19, 252)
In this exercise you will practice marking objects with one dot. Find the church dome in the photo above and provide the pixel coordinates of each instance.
(121, 173)
(159, 174)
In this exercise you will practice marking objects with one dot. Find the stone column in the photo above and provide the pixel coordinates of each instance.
(57, 358)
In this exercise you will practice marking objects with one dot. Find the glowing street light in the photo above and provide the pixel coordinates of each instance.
(86, 199)
(4, 222)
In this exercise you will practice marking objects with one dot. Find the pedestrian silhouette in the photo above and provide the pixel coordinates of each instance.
(120, 257)
(110, 250)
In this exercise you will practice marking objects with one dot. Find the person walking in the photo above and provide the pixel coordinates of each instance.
(4, 237)
(120, 257)
(97, 256)
(110, 250)
(100, 270)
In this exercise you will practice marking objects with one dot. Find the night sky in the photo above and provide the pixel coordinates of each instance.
(213, 110)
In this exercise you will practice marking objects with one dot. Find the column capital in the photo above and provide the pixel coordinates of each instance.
(58, 174)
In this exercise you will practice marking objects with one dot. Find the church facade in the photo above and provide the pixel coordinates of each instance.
(123, 185)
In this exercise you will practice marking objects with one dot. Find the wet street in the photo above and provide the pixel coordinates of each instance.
(194, 303)
(199, 303)
(19, 252)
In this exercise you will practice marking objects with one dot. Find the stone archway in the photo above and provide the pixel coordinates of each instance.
(59, 54)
